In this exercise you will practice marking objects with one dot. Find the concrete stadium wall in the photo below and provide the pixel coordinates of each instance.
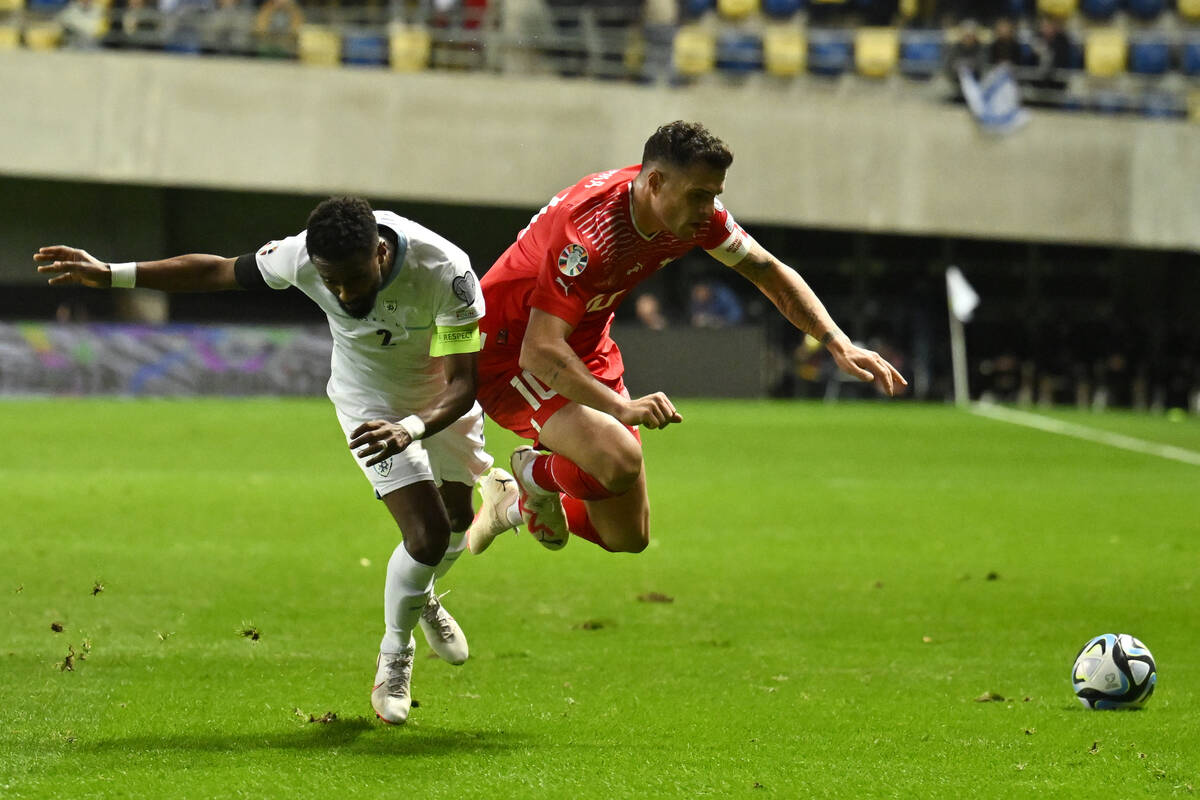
(807, 154)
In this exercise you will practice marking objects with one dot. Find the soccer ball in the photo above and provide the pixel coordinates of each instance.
(1114, 670)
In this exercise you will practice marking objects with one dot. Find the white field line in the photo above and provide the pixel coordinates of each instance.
(1087, 434)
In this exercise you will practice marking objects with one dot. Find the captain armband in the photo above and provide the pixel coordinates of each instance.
(453, 339)
(736, 247)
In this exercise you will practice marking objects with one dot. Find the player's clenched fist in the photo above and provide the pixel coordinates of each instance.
(68, 265)
(654, 411)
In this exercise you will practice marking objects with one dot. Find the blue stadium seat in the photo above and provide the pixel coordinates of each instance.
(1099, 9)
(697, 8)
(45, 6)
(1189, 57)
(1020, 8)
(364, 48)
(830, 52)
(1146, 9)
(739, 52)
(781, 9)
(921, 53)
(1149, 56)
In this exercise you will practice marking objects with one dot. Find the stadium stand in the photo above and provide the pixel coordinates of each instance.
(1137, 56)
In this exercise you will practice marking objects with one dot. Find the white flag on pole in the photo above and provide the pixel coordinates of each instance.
(963, 298)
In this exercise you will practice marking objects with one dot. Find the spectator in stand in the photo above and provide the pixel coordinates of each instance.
(1004, 48)
(84, 23)
(1052, 53)
(714, 305)
(649, 311)
(967, 52)
(228, 28)
(139, 25)
(182, 21)
(276, 27)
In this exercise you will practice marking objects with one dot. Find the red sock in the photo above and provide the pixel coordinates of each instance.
(553, 472)
(579, 524)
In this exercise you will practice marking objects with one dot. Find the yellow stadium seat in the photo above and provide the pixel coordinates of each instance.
(409, 48)
(11, 6)
(695, 51)
(909, 8)
(785, 51)
(737, 9)
(46, 36)
(319, 46)
(1104, 52)
(876, 51)
(1189, 9)
(10, 37)
(1057, 8)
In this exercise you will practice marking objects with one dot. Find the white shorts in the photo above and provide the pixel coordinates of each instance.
(453, 454)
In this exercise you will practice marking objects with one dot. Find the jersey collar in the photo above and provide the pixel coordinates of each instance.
(633, 219)
(401, 248)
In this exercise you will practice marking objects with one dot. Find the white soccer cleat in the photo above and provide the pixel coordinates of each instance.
(499, 493)
(442, 632)
(390, 696)
(542, 511)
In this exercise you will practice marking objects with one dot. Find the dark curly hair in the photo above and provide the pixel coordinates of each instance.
(342, 229)
(683, 144)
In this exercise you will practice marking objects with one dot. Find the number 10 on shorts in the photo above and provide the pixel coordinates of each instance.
(532, 389)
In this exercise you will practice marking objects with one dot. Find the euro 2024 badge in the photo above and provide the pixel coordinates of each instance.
(572, 260)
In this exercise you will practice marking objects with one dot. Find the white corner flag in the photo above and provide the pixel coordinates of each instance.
(961, 300)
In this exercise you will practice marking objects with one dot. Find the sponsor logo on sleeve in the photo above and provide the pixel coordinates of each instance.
(268, 248)
(572, 260)
(464, 287)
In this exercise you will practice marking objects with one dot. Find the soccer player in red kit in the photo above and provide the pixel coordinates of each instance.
(550, 372)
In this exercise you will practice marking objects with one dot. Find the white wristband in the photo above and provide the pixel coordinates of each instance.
(413, 426)
(124, 276)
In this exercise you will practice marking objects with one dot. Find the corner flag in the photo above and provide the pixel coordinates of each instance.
(961, 299)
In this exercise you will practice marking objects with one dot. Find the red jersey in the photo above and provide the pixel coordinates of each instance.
(578, 258)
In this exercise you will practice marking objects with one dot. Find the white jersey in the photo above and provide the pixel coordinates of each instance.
(381, 364)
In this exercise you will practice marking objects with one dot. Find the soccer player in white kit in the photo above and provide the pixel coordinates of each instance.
(404, 307)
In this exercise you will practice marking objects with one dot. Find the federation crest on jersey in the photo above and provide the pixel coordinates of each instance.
(572, 260)
(390, 306)
(464, 287)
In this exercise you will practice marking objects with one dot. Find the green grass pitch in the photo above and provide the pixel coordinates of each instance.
(846, 581)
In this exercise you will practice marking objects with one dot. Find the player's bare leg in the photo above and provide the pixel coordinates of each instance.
(606, 450)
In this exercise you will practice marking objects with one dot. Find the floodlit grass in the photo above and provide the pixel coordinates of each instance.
(845, 582)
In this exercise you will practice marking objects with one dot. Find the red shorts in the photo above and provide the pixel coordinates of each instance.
(518, 401)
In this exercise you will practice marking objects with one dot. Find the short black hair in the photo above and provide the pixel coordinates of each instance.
(683, 144)
(342, 229)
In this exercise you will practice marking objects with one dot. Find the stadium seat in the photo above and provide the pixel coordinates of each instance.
(907, 9)
(737, 9)
(739, 52)
(10, 37)
(784, 51)
(876, 51)
(1150, 56)
(921, 53)
(830, 52)
(1146, 9)
(1188, 9)
(319, 46)
(409, 48)
(11, 6)
(364, 48)
(43, 36)
(697, 8)
(1099, 9)
(1104, 52)
(694, 52)
(781, 9)
(1189, 56)
(46, 7)
(1056, 8)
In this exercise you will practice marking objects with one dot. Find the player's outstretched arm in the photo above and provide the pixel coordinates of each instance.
(196, 272)
(379, 439)
(545, 353)
(796, 300)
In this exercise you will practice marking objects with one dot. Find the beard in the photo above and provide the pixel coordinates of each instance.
(360, 309)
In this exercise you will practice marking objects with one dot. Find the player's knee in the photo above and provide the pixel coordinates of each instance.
(622, 470)
(427, 543)
(634, 541)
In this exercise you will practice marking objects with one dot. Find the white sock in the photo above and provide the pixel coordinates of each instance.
(458, 543)
(513, 514)
(405, 593)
